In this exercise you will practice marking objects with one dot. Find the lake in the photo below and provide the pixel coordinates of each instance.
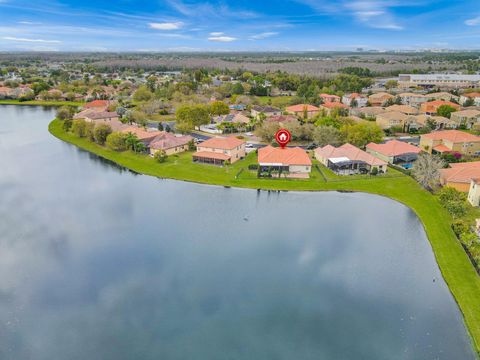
(97, 262)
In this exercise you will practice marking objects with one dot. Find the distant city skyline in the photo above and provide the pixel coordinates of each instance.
(182, 25)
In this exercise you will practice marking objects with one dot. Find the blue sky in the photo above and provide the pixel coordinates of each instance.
(256, 25)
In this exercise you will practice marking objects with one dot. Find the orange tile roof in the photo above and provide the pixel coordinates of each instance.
(441, 148)
(141, 133)
(394, 148)
(96, 103)
(328, 96)
(472, 94)
(301, 107)
(461, 172)
(432, 106)
(287, 156)
(452, 135)
(211, 155)
(349, 151)
(226, 143)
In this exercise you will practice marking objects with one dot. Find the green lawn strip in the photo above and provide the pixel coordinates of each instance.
(457, 270)
(41, 102)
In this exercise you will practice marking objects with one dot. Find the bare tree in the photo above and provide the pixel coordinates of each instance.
(426, 170)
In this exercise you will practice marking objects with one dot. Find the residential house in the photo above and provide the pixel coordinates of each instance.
(450, 141)
(391, 119)
(170, 143)
(145, 136)
(369, 112)
(395, 152)
(355, 100)
(219, 150)
(412, 99)
(380, 98)
(422, 120)
(265, 110)
(328, 107)
(475, 96)
(348, 160)
(431, 107)
(460, 175)
(474, 195)
(470, 118)
(330, 98)
(289, 162)
(406, 109)
(301, 110)
(445, 96)
(97, 105)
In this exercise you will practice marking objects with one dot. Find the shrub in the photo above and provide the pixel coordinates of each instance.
(79, 127)
(253, 167)
(64, 113)
(101, 133)
(161, 156)
(459, 227)
(191, 145)
(67, 124)
(89, 129)
(374, 171)
(117, 141)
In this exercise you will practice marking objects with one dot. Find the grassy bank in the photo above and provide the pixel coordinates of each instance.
(41, 103)
(454, 264)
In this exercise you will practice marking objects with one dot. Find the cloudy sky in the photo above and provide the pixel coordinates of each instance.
(187, 25)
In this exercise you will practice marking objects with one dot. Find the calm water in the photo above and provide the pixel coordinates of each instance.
(100, 263)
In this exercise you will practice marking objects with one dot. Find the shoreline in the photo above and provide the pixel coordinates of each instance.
(458, 272)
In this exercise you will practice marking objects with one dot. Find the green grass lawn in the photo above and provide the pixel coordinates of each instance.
(454, 264)
(41, 102)
(277, 101)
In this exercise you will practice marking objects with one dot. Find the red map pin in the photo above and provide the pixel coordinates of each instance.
(283, 137)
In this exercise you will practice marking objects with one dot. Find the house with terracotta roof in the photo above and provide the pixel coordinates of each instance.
(170, 143)
(406, 109)
(219, 150)
(380, 98)
(328, 107)
(98, 105)
(355, 100)
(395, 152)
(288, 162)
(431, 107)
(145, 136)
(348, 160)
(391, 119)
(475, 96)
(300, 110)
(450, 141)
(460, 175)
(330, 98)
(470, 118)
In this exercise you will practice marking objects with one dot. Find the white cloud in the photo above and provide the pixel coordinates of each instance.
(372, 13)
(473, 22)
(216, 33)
(222, 38)
(11, 38)
(166, 25)
(263, 35)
